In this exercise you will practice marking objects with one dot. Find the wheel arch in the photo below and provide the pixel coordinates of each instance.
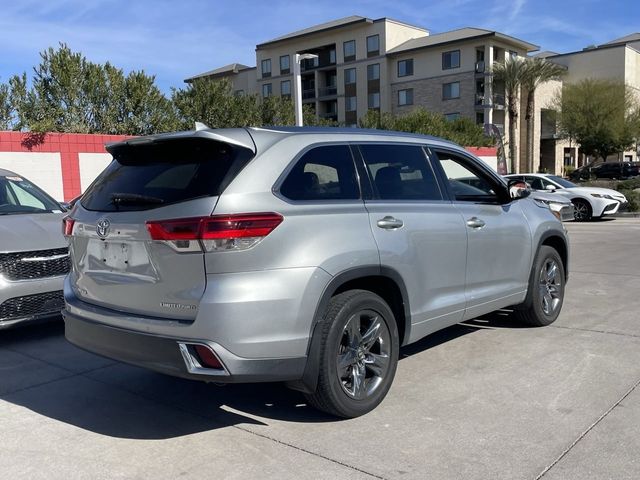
(384, 282)
(558, 242)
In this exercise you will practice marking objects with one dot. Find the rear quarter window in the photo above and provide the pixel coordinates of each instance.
(323, 173)
(152, 175)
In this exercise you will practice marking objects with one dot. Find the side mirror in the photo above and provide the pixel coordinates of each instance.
(551, 188)
(518, 189)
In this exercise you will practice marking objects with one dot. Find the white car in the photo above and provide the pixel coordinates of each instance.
(588, 202)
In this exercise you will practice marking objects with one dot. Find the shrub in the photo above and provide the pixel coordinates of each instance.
(633, 196)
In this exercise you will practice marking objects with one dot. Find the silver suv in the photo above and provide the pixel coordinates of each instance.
(301, 255)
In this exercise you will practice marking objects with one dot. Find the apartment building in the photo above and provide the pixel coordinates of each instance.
(450, 73)
(351, 72)
(383, 64)
(617, 60)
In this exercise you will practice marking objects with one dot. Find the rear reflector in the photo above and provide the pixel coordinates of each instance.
(67, 226)
(207, 358)
(221, 232)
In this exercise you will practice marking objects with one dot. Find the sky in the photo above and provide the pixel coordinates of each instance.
(174, 40)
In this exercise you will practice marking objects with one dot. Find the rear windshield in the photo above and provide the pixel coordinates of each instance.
(152, 175)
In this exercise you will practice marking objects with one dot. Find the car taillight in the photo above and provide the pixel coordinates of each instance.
(216, 233)
(67, 226)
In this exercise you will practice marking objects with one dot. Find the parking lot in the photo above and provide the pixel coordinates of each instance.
(484, 399)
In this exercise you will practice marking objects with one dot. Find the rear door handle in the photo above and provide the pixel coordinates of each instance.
(475, 222)
(389, 223)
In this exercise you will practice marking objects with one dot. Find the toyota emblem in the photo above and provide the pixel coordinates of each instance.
(102, 227)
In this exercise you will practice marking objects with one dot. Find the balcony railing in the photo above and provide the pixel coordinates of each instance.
(497, 101)
(310, 93)
(327, 91)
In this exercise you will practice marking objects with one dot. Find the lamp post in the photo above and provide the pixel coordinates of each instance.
(297, 84)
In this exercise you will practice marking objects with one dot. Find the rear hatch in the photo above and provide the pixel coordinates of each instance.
(115, 262)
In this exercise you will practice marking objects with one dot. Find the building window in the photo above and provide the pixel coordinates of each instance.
(350, 104)
(349, 76)
(451, 59)
(285, 88)
(373, 71)
(513, 54)
(349, 50)
(239, 93)
(405, 97)
(332, 56)
(374, 100)
(266, 90)
(266, 67)
(284, 65)
(373, 45)
(480, 118)
(405, 67)
(451, 90)
(450, 117)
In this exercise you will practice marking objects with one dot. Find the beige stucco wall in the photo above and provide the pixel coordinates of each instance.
(632, 69)
(606, 63)
(398, 33)
(245, 80)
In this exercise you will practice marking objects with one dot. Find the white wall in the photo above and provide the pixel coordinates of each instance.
(91, 165)
(43, 169)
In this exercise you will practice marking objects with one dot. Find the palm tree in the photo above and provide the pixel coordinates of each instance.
(536, 72)
(511, 73)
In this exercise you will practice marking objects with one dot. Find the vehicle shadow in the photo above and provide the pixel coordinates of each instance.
(118, 400)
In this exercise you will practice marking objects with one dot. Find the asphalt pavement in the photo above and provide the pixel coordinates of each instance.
(484, 399)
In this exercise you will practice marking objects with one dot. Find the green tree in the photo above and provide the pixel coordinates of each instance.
(511, 73)
(6, 110)
(462, 130)
(536, 72)
(213, 102)
(12, 98)
(71, 94)
(601, 115)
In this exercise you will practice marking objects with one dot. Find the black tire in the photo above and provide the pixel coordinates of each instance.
(546, 290)
(354, 379)
(582, 211)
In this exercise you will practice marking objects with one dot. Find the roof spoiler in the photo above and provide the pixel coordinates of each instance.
(239, 137)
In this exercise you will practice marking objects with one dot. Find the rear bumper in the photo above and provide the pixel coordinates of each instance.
(163, 354)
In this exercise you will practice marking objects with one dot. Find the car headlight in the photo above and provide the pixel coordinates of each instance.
(600, 195)
(554, 207)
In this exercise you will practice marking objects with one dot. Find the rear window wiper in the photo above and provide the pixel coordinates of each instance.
(134, 199)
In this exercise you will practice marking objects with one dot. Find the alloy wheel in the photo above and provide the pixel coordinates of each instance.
(581, 211)
(364, 354)
(550, 285)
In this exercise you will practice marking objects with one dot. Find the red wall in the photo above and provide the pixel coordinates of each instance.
(69, 145)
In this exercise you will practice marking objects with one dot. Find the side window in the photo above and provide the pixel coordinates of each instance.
(466, 182)
(537, 183)
(400, 172)
(323, 173)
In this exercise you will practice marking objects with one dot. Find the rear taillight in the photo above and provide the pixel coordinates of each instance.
(216, 233)
(67, 226)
